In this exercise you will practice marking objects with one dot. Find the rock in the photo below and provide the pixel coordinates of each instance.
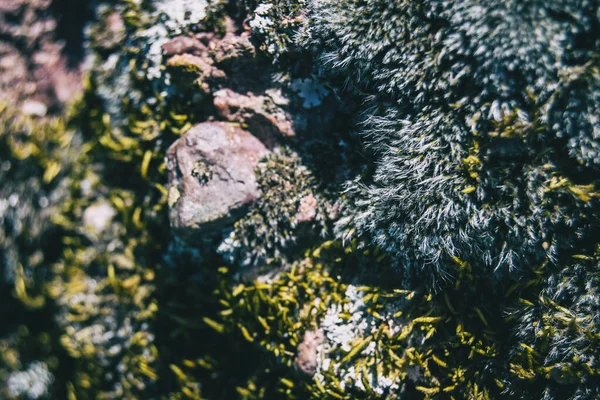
(263, 117)
(191, 63)
(187, 68)
(306, 359)
(183, 44)
(211, 178)
(231, 48)
(10, 6)
(114, 35)
(32, 54)
(205, 37)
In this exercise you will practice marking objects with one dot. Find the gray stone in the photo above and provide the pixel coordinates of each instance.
(211, 179)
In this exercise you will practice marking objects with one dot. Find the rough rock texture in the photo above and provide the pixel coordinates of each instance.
(190, 71)
(264, 118)
(211, 178)
(306, 360)
(307, 210)
(184, 44)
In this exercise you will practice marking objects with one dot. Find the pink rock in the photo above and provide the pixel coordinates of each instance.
(211, 178)
(183, 44)
(306, 358)
(307, 211)
(264, 119)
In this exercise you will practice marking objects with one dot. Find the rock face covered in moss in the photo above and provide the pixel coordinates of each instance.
(377, 199)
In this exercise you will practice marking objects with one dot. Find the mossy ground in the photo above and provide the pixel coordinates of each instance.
(122, 312)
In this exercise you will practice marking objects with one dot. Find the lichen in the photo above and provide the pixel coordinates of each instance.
(32, 383)
(275, 23)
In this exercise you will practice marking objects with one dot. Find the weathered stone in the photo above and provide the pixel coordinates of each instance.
(10, 6)
(191, 63)
(187, 69)
(114, 34)
(211, 178)
(306, 358)
(205, 37)
(231, 48)
(183, 44)
(35, 64)
(264, 118)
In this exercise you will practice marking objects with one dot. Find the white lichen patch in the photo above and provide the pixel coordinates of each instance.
(229, 248)
(342, 335)
(310, 90)
(181, 14)
(261, 21)
(32, 383)
(98, 216)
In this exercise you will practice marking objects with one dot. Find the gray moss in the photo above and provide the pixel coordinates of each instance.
(467, 159)
(290, 211)
(32, 383)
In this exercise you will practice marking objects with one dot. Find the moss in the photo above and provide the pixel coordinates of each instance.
(275, 23)
(421, 343)
(466, 139)
(290, 212)
(557, 334)
(470, 181)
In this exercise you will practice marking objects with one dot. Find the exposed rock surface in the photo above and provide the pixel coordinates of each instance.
(307, 210)
(306, 359)
(191, 71)
(264, 117)
(211, 178)
(184, 44)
